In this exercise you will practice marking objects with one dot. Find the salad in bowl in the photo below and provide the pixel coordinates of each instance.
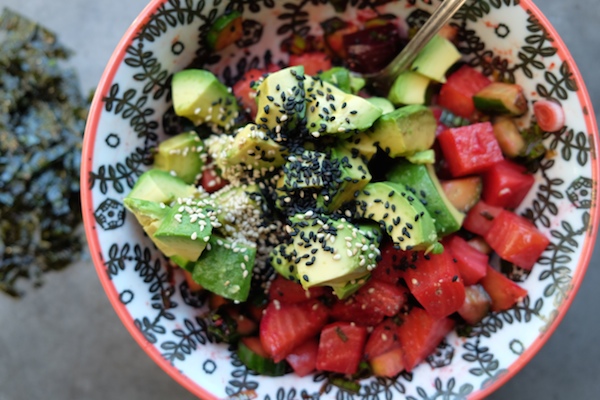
(267, 225)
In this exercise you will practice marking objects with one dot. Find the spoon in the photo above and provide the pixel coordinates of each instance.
(381, 81)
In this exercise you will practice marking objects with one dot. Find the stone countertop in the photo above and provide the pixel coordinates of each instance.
(64, 341)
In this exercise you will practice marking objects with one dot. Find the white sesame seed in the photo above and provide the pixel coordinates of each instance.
(194, 235)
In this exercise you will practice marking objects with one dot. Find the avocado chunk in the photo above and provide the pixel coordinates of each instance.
(383, 103)
(150, 215)
(185, 231)
(161, 187)
(422, 157)
(199, 96)
(251, 151)
(332, 251)
(330, 111)
(226, 30)
(360, 145)
(333, 177)
(341, 78)
(225, 267)
(183, 156)
(282, 259)
(423, 183)
(280, 99)
(345, 290)
(405, 131)
(434, 60)
(399, 213)
(409, 88)
(239, 211)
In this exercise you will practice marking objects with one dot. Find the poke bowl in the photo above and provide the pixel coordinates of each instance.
(136, 109)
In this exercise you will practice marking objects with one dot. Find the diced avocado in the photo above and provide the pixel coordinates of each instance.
(409, 88)
(360, 145)
(330, 111)
(199, 96)
(501, 98)
(239, 210)
(334, 176)
(331, 252)
(282, 259)
(161, 187)
(225, 268)
(343, 79)
(405, 131)
(184, 231)
(399, 213)
(280, 99)
(383, 103)
(150, 215)
(423, 183)
(252, 150)
(182, 155)
(304, 171)
(508, 136)
(345, 290)
(226, 30)
(438, 55)
(422, 157)
(345, 174)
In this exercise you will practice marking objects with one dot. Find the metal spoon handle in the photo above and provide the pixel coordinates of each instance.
(438, 19)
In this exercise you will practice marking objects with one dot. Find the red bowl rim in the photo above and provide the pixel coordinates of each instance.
(95, 249)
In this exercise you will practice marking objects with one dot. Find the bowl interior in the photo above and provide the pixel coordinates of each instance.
(131, 113)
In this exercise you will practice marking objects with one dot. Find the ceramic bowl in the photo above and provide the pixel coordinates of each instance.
(131, 113)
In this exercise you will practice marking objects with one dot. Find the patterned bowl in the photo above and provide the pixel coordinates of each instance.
(131, 113)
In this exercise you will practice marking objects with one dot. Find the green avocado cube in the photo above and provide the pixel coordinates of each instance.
(280, 99)
(405, 131)
(185, 231)
(409, 88)
(225, 268)
(182, 156)
(434, 60)
(161, 187)
(199, 96)
(253, 149)
(331, 111)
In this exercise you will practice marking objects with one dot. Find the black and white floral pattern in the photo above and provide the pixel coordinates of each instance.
(136, 115)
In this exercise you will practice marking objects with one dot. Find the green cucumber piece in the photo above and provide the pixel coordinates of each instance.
(508, 136)
(252, 355)
(501, 98)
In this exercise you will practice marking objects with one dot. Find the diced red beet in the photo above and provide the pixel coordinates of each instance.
(503, 292)
(341, 347)
(480, 218)
(516, 239)
(370, 50)
(505, 184)
(419, 334)
(435, 282)
(470, 149)
(471, 263)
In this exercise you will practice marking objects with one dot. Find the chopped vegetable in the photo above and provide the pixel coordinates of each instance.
(550, 115)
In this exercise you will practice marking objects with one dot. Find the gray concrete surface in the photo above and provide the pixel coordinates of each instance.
(64, 341)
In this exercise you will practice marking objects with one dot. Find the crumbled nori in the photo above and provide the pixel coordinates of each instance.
(42, 118)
